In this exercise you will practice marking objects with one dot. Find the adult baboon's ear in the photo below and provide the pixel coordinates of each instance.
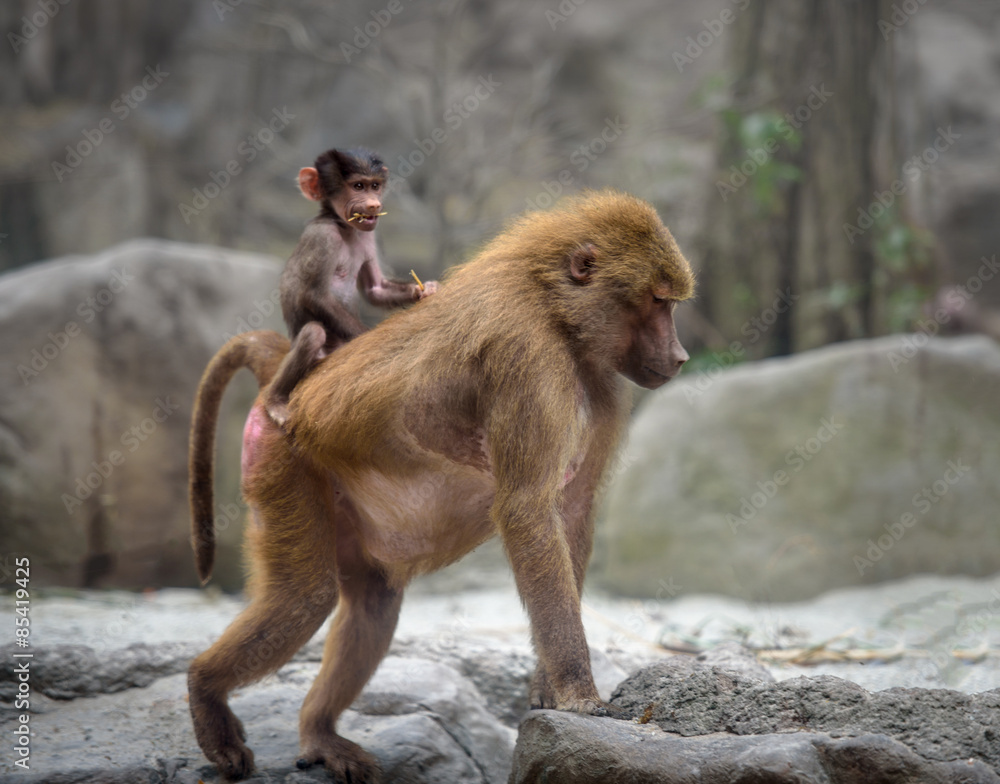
(583, 262)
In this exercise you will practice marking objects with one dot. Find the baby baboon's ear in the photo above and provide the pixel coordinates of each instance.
(309, 184)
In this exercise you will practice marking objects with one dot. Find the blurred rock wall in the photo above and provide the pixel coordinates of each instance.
(122, 118)
(100, 362)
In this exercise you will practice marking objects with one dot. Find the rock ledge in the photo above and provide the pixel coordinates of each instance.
(730, 722)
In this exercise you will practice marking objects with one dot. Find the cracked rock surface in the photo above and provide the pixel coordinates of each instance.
(721, 720)
(560, 748)
(424, 721)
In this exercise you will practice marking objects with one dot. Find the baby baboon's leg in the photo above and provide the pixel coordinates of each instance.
(308, 348)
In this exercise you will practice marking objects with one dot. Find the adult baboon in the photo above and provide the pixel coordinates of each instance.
(490, 408)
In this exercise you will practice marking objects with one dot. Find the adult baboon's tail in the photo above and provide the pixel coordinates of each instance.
(261, 352)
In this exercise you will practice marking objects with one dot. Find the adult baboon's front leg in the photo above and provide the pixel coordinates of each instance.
(576, 513)
(540, 557)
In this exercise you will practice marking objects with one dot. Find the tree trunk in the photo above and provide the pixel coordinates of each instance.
(806, 143)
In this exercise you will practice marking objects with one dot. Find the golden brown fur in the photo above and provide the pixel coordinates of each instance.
(491, 408)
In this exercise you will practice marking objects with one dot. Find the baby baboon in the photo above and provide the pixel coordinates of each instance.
(336, 258)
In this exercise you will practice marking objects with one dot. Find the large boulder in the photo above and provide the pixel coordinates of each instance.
(100, 361)
(694, 698)
(565, 748)
(698, 721)
(781, 479)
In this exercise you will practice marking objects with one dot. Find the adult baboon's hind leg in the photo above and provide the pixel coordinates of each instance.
(261, 639)
(358, 639)
(294, 589)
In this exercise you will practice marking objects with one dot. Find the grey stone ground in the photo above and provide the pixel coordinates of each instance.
(923, 618)
(916, 625)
